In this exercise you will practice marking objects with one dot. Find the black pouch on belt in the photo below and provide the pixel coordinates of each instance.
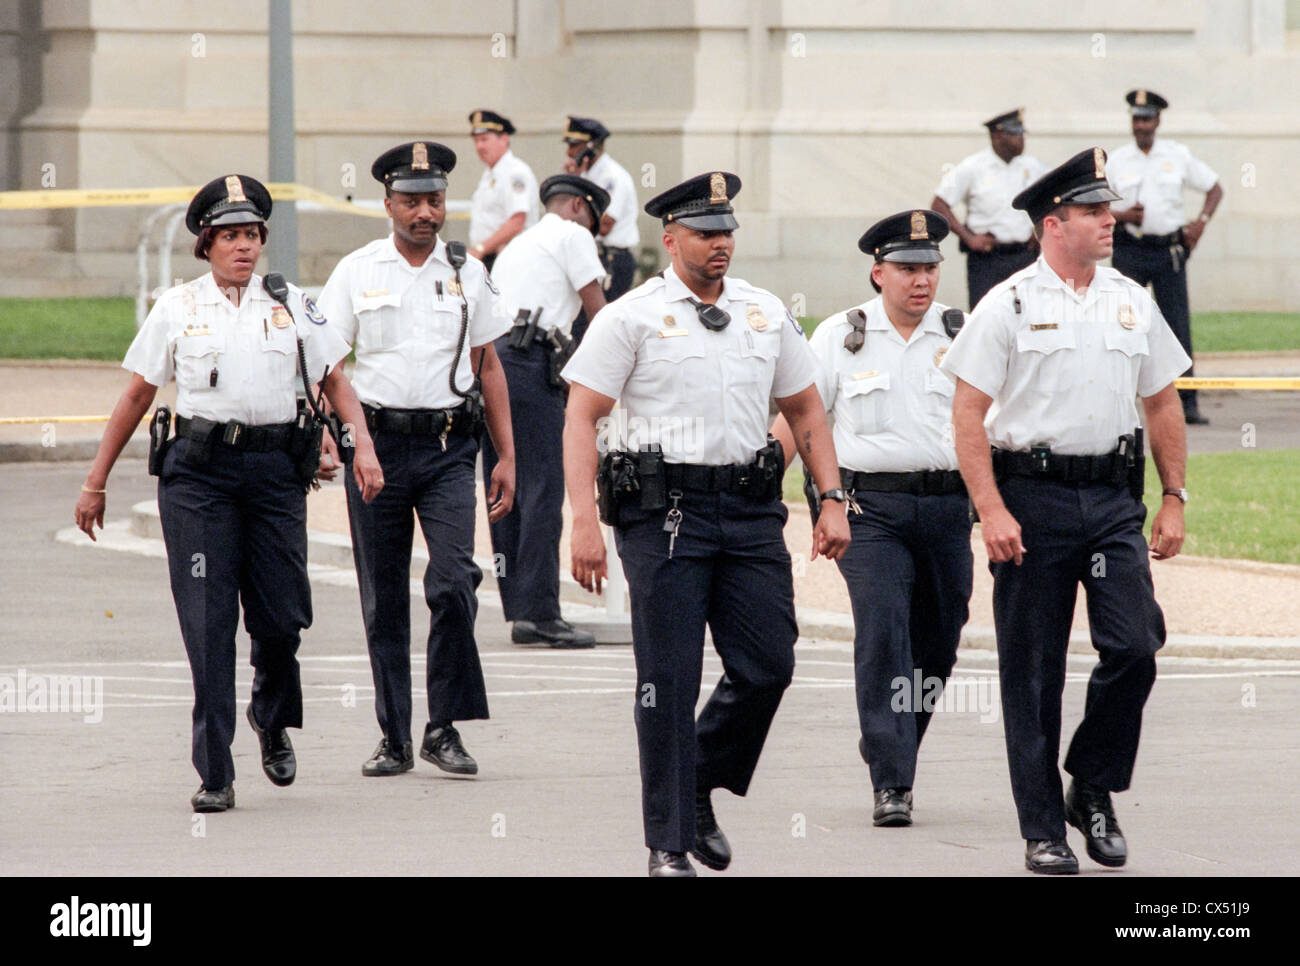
(304, 447)
(1137, 469)
(199, 434)
(650, 473)
(159, 428)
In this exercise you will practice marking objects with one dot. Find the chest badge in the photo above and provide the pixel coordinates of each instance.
(1126, 316)
(755, 317)
(938, 356)
(280, 317)
(669, 320)
(453, 287)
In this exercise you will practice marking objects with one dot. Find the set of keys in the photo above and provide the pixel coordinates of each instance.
(673, 521)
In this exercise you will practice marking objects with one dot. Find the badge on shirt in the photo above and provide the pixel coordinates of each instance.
(669, 321)
(1042, 326)
(197, 330)
(755, 317)
(1127, 317)
(865, 375)
(313, 313)
(280, 317)
(453, 287)
(938, 356)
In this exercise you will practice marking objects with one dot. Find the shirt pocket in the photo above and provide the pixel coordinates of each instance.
(196, 357)
(1044, 352)
(378, 321)
(757, 362)
(864, 400)
(279, 359)
(674, 365)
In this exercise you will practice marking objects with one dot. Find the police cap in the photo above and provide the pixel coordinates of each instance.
(414, 167)
(596, 197)
(232, 199)
(702, 202)
(1142, 103)
(489, 122)
(1013, 122)
(580, 130)
(1079, 181)
(909, 236)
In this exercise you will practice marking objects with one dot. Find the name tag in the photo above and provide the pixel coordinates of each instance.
(1041, 326)
(672, 333)
(373, 293)
(865, 375)
(198, 331)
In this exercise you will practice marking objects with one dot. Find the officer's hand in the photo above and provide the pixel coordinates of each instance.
(587, 550)
(368, 472)
(1168, 530)
(1192, 233)
(329, 459)
(501, 491)
(982, 243)
(1001, 535)
(570, 166)
(90, 511)
(1132, 215)
(831, 535)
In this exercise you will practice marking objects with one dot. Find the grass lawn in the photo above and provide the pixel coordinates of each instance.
(66, 328)
(1242, 504)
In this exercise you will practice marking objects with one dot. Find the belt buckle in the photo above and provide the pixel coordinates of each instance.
(233, 433)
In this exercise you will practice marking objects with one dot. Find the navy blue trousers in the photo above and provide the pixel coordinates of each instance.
(1155, 267)
(620, 264)
(730, 570)
(236, 532)
(908, 572)
(420, 481)
(526, 542)
(984, 270)
(1089, 533)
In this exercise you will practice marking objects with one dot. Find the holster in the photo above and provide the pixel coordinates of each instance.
(159, 430)
(304, 447)
(1137, 470)
(524, 331)
(199, 436)
(560, 349)
(650, 477)
(762, 478)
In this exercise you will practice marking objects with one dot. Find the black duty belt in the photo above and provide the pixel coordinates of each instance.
(237, 435)
(919, 482)
(1150, 241)
(1106, 467)
(419, 422)
(710, 479)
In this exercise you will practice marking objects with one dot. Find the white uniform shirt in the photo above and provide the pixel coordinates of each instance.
(1066, 369)
(891, 404)
(544, 267)
(613, 177)
(1156, 181)
(405, 322)
(193, 329)
(701, 395)
(506, 188)
(986, 184)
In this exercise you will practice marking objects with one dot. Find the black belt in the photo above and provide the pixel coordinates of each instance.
(1052, 466)
(710, 479)
(237, 435)
(419, 422)
(918, 482)
(1150, 241)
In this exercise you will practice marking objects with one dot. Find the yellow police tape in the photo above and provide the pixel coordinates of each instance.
(102, 198)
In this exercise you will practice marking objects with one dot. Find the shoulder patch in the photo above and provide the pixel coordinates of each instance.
(487, 280)
(795, 322)
(313, 313)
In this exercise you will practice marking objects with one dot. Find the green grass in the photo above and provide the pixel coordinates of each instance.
(66, 328)
(1242, 506)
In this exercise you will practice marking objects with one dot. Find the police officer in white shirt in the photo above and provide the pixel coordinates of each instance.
(423, 318)
(618, 234)
(908, 568)
(231, 488)
(1153, 239)
(996, 238)
(505, 201)
(694, 358)
(547, 275)
(1049, 368)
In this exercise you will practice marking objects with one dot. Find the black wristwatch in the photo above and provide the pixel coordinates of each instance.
(836, 494)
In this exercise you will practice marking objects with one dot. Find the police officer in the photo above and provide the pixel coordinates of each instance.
(548, 274)
(505, 201)
(233, 507)
(908, 568)
(423, 318)
(694, 357)
(996, 238)
(1063, 348)
(1153, 239)
(618, 234)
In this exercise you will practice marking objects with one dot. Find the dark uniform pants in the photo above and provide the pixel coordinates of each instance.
(1148, 265)
(620, 265)
(439, 487)
(984, 270)
(730, 570)
(527, 541)
(236, 532)
(908, 571)
(1073, 532)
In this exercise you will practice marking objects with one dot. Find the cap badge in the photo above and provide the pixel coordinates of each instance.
(755, 317)
(918, 226)
(1099, 163)
(477, 119)
(1127, 317)
(234, 189)
(717, 189)
(1141, 99)
(419, 157)
(1020, 115)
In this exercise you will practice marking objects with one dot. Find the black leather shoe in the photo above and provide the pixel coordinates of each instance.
(711, 846)
(893, 808)
(213, 800)
(670, 865)
(556, 633)
(1088, 809)
(442, 747)
(1050, 857)
(278, 760)
(389, 760)
(1194, 418)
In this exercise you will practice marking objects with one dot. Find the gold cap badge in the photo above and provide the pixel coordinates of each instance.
(918, 226)
(717, 189)
(1141, 99)
(1099, 163)
(234, 189)
(420, 157)
(477, 119)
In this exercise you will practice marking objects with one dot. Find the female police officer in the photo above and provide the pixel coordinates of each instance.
(233, 506)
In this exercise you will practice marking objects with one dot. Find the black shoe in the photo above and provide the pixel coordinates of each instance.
(893, 808)
(1050, 857)
(556, 633)
(389, 760)
(711, 846)
(442, 747)
(1088, 809)
(670, 865)
(210, 800)
(1193, 417)
(278, 760)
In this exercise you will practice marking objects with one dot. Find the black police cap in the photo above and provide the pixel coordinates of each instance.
(1013, 122)
(1143, 103)
(583, 129)
(233, 199)
(909, 236)
(702, 202)
(596, 197)
(1079, 181)
(414, 167)
(489, 122)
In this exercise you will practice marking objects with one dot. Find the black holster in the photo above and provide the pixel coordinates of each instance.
(624, 479)
(199, 435)
(304, 447)
(159, 429)
(761, 480)
(560, 349)
(524, 332)
(1137, 466)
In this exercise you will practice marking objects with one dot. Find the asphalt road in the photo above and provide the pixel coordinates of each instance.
(558, 790)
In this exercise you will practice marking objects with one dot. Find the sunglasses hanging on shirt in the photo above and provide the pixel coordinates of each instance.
(858, 333)
(711, 317)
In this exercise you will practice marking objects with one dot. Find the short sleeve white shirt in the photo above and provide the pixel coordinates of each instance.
(986, 185)
(1156, 180)
(505, 189)
(543, 268)
(613, 177)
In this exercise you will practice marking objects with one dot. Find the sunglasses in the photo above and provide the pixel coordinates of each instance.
(711, 317)
(857, 336)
